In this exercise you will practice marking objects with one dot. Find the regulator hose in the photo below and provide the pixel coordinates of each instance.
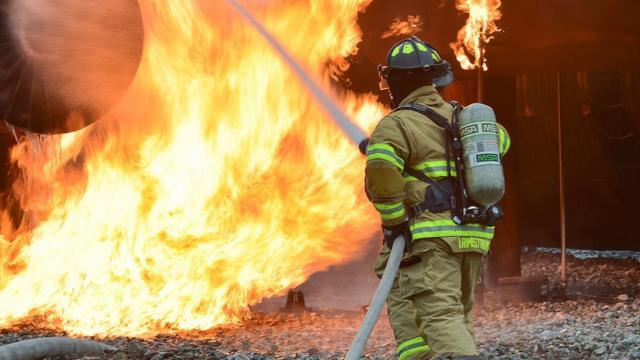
(379, 298)
(36, 349)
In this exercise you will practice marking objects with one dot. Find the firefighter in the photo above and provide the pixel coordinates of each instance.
(431, 300)
(402, 314)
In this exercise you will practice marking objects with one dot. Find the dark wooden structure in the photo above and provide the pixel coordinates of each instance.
(575, 62)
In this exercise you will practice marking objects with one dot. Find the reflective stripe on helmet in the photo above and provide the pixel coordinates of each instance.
(408, 48)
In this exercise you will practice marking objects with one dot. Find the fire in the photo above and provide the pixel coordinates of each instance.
(477, 32)
(215, 183)
(412, 25)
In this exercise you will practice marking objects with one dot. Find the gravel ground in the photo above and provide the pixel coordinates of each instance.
(592, 275)
(583, 329)
(606, 326)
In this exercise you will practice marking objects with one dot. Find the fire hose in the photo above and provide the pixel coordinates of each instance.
(353, 132)
(357, 136)
(52, 347)
(379, 298)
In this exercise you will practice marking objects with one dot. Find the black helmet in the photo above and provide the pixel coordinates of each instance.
(413, 55)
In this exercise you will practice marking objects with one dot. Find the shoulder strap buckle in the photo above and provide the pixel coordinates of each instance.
(417, 209)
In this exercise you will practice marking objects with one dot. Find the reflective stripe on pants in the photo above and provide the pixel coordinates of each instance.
(412, 347)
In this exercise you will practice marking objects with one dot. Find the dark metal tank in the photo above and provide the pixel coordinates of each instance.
(65, 63)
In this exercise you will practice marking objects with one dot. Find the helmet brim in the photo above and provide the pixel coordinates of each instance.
(446, 79)
(441, 81)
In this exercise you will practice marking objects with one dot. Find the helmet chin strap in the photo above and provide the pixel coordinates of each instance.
(394, 104)
(398, 95)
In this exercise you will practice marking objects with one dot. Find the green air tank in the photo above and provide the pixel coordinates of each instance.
(482, 164)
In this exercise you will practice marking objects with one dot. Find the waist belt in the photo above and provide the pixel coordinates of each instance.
(439, 197)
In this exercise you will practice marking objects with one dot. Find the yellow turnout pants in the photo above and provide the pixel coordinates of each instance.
(431, 300)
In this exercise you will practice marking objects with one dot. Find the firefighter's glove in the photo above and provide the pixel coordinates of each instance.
(392, 232)
(363, 146)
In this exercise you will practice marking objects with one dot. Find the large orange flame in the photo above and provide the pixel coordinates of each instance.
(477, 32)
(215, 183)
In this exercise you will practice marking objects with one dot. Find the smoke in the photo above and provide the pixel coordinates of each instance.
(87, 50)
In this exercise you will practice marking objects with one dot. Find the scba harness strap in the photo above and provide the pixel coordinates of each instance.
(440, 120)
(443, 194)
(449, 194)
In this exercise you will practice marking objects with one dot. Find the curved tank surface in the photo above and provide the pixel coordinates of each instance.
(65, 63)
(482, 163)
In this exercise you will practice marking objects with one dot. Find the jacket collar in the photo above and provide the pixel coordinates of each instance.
(427, 95)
